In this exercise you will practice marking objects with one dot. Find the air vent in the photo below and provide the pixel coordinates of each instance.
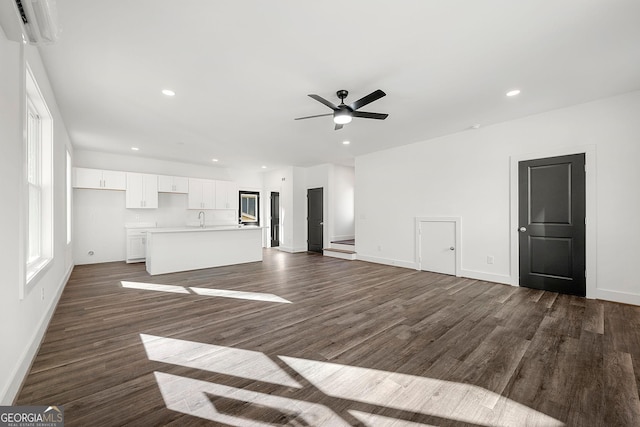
(37, 19)
(23, 15)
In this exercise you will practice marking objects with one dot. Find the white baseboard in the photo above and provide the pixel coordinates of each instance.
(617, 296)
(386, 261)
(470, 274)
(291, 250)
(487, 277)
(11, 392)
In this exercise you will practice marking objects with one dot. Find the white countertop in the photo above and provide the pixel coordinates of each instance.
(133, 225)
(201, 229)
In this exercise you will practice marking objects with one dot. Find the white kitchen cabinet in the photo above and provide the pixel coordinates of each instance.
(142, 191)
(202, 194)
(226, 195)
(99, 179)
(136, 250)
(173, 184)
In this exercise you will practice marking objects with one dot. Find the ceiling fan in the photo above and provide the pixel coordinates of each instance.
(343, 114)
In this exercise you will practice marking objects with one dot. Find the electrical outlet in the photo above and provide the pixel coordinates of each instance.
(489, 259)
(379, 248)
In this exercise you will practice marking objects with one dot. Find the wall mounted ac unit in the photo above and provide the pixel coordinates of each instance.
(36, 21)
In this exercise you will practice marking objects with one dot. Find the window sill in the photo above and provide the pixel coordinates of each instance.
(37, 267)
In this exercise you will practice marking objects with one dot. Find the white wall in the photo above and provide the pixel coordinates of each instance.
(337, 183)
(24, 321)
(338, 199)
(299, 210)
(246, 179)
(341, 203)
(467, 175)
(274, 181)
(281, 181)
(318, 177)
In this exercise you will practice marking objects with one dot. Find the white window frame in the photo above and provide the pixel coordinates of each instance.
(69, 195)
(34, 184)
(38, 178)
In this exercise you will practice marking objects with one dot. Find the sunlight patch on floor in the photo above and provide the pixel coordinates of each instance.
(154, 287)
(445, 399)
(253, 296)
(223, 293)
(382, 421)
(352, 385)
(213, 358)
(192, 397)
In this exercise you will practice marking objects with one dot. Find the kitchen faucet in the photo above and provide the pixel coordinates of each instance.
(201, 218)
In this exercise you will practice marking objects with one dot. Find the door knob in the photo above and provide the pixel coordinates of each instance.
(452, 248)
(522, 229)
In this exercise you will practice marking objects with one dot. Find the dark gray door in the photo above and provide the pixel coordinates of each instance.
(275, 219)
(552, 231)
(314, 220)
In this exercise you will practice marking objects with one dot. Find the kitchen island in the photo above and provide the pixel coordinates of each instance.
(171, 250)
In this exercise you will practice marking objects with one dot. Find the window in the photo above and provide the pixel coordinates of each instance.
(249, 207)
(69, 193)
(38, 146)
(34, 181)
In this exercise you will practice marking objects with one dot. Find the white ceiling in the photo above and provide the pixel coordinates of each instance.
(242, 70)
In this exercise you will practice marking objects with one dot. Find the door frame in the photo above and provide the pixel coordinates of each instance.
(589, 152)
(270, 226)
(324, 215)
(455, 219)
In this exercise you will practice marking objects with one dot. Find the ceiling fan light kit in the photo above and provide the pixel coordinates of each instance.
(342, 117)
(343, 114)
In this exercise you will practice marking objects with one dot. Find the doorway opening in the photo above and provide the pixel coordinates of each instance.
(275, 219)
(315, 221)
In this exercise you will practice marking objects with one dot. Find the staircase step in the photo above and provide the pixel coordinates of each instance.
(345, 247)
(339, 253)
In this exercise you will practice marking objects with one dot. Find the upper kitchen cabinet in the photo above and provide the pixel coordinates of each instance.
(99, 179)
(142, 191)
(226, 195)
(202, 193)
(173, 184)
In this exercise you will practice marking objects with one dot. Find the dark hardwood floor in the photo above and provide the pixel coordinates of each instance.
(338, 343)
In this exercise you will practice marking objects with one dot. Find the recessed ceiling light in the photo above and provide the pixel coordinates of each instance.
(346, 142)
(264, 167)
(134, 148)
(168, 92)
(513, 92)
(214, 160)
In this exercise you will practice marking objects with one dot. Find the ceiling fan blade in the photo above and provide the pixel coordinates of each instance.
(338, 127)
(324, 101)
(365, 115)
(311, 117)
(373, 96)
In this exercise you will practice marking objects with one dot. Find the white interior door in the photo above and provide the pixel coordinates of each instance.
(438, 246)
